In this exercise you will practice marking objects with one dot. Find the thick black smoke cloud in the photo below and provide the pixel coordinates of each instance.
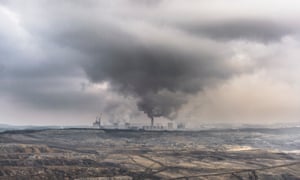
(159, 73)
(159, 65)
(160, 77)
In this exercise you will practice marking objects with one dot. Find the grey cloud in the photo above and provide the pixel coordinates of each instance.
(143, 70)
(55, 89)
(2, 68)
(40, 71)
(152, 71)
(158, 61)
(245, 29)
(146, 2)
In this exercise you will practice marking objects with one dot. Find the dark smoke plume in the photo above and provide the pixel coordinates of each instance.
(160, 77)
(160, 66)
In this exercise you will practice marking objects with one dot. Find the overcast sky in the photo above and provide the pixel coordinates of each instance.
(214, 61)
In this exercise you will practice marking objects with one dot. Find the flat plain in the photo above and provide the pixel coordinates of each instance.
(123, 154)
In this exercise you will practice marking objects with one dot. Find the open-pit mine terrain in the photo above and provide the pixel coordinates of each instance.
(123, 154)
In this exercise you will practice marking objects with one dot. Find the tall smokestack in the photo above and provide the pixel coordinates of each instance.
(152, 121)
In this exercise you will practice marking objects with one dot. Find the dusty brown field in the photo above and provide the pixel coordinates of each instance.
(98, 154)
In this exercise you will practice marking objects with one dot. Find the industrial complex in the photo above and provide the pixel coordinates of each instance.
(171, 125)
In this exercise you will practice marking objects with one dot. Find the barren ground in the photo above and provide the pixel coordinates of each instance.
(112, 154)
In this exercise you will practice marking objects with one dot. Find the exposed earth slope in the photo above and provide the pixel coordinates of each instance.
(113, 154)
